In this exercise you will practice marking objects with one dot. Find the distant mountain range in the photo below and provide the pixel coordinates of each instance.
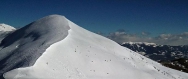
(170, 56)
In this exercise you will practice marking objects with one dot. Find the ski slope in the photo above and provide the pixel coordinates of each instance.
(71, 52)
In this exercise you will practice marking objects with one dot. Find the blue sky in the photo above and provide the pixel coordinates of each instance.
(154, 17)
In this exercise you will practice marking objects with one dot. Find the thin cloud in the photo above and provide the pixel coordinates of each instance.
(145, 33)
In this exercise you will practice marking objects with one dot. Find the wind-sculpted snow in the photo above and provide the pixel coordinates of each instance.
(81, 55)
(24, 46)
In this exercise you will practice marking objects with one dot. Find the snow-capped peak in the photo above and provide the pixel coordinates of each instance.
(28, 43)
(145, 43)
(55, 48)
(5, 27)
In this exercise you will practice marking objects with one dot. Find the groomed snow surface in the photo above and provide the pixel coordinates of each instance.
(85, 55)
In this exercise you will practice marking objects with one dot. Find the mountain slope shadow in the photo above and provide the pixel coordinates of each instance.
(24, 46)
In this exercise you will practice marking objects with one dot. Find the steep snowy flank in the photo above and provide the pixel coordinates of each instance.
(5, 27)
(24, 46)
(80, 55)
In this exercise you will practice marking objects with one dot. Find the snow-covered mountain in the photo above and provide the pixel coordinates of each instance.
(175, 57)
(139, 43)
(158, 52)
(5, 27)
(5, 30)
(55, 48)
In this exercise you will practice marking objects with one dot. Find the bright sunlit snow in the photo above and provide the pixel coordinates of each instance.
(78, 54)
(5, 27)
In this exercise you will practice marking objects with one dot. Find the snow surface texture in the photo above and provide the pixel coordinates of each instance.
(24, 46)
(85, 55)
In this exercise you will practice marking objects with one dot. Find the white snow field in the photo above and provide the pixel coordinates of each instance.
(55, 48)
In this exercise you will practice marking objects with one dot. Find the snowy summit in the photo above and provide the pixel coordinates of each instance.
(53, 47)
(5, 27)
(5, 30)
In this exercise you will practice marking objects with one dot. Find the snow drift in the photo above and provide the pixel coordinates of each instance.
(55, 48)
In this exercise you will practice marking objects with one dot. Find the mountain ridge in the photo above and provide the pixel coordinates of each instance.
(40, 33)
(5, 27)
(175, 57)
(71, 51)
(5, 30)
(153, 50)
